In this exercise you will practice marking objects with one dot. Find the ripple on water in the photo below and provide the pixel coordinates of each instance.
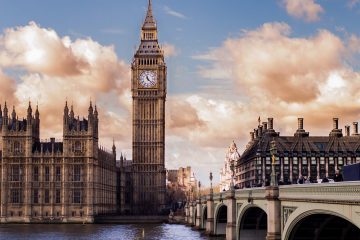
(99, 232)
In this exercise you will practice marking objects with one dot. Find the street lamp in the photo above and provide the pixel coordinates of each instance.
(232, 168)
(211, 178)
(199, 185)
(273, 152)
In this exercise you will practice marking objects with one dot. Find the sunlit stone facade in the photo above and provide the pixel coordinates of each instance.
(315, 157)
(53, 181)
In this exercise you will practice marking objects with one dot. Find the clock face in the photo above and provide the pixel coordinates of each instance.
(148, 79)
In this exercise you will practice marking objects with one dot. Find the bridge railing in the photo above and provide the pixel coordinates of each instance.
(341, 192)
(348, 192)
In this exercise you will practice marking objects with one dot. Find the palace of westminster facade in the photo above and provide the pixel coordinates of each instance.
(75, 180)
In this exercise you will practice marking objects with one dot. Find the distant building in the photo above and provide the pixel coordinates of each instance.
(182, 179)
(232, 156)
(52, 181)
(301, 154)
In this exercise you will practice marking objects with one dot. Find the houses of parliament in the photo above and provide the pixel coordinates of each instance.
(74, 180)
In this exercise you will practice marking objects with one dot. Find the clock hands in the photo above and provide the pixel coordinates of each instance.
(148, 79)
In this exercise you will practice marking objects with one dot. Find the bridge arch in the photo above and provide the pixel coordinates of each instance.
(251, 222)
(220, 218)
(203, 217)
(320, 224)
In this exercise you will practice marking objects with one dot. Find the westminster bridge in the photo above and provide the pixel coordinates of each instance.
(305, 211)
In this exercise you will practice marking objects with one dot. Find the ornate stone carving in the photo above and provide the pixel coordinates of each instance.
(238, 206)
(286, 212)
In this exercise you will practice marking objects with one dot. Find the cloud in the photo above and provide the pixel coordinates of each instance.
(8, 87)
(181, 115)
(52, 69)
(271, 74)
(308, 10)
(352, 3)
(170, 50)
(267, 61)
(36, 49)
(173, 13)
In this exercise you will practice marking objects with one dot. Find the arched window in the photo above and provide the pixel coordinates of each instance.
(17, 147)
(77, 146)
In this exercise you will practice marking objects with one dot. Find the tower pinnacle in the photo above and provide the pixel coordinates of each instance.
(149, 23)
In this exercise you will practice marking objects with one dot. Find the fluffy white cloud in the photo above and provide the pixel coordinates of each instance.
(170, 50)
(54, 69)
(308, 10)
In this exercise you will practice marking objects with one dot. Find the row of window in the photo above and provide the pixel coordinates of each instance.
(16, 173)
(148, 36)
(148, 61)
(35, 214)
(310, 160)
(16, 196)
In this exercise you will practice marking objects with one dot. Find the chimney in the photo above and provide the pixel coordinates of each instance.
(271, 123)
(347, 130)
(256, 133)
(251, 136)
(335, 123)
(300, 123)
(336, 132)
(356, 129)
(265, 126)
(52, 140)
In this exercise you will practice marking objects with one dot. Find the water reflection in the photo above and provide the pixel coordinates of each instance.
(99, 232)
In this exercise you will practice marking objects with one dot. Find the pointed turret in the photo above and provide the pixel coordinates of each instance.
(66, 109)
(114, 147)
(114, 150)
(1, 118)
(90, 109)
(121, 161)
(37, 114)
(5, 118)
(72, 112)
(29, 110)
(29, 114)
(13, 114)
(149, 22)
(5, 111)
(96, 114)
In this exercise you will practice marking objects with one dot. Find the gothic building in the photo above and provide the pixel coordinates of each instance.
(300, 154)
(231, 157)
(52, 181)
(148, 86)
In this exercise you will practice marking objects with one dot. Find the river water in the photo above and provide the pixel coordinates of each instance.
(100, 232)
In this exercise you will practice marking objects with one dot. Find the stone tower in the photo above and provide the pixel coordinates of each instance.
(81, 145)
(148, 85)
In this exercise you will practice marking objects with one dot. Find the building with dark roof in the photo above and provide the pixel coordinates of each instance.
(54, 181)
(315, 157)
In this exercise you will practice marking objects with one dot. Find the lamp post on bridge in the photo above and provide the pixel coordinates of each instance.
(199, 192)
(273, 152)
(211, 187)
(232, 168)
(273, 202)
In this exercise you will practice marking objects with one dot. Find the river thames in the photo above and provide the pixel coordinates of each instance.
(100, 232)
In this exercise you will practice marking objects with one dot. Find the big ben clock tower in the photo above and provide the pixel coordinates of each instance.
(148, 86)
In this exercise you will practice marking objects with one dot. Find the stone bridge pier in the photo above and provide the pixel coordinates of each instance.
(307, 211)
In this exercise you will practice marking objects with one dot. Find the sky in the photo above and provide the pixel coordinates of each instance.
(229, 62)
